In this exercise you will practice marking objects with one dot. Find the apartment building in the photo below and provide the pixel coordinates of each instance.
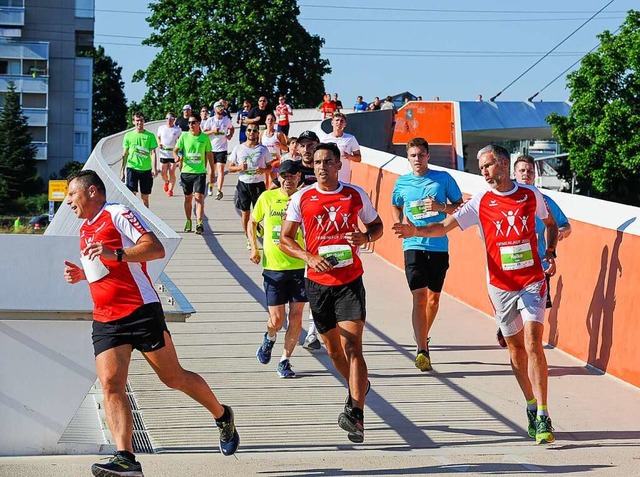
(41, 43)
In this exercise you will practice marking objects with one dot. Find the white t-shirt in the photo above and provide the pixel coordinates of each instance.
(346, 143)
(257, 157)
(219, 139)
(168, 138)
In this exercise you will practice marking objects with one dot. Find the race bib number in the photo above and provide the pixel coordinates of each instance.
(516, 257)
(342, 255)
(282, 117)
(194, 158)
(418, 209)
(275, 234)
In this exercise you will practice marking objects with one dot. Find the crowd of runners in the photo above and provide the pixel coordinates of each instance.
(304, 223)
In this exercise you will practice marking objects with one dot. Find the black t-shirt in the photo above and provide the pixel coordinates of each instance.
(256, 112)
(183, 123)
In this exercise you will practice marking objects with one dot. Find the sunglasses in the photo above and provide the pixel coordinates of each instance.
(252, 130)
(170, 118)
(191, 123)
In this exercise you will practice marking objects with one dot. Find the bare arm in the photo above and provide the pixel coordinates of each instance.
(154, 163)
(374, 231)
(289, 246)
(438, 229)
(397, 213)
(253, 240)
(355, 157)
(564, 231)
(147, 248)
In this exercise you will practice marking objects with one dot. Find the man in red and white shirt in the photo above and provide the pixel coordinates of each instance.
(506, 215)
(115, 245)
(328, 212)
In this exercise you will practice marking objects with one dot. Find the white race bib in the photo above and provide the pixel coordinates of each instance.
(516, 257)
(342, 253)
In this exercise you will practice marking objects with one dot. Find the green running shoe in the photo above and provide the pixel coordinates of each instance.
(118, 465)
(544, 431)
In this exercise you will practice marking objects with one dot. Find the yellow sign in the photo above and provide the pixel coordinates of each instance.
(57, 190)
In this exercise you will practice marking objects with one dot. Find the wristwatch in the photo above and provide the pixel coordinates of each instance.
(119, 254)
(552, 252)
(368, 235)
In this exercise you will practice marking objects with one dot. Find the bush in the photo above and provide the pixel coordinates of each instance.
(34, 205)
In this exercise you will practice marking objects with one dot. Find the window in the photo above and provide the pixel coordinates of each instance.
(82, 86)
(81, 139)
(34, 68)
(39, 134)
(34, 100)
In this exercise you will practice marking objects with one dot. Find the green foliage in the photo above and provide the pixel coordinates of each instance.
(601, 132)
(226, 48)
(109, 111)
(33, 205)
(18, 173)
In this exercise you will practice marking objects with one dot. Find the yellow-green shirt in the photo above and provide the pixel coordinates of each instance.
(194, 152)
(270, 207)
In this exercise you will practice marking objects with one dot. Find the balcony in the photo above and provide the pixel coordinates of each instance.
(25, 84)
(24, 50)
(11, 13)
(36, 117)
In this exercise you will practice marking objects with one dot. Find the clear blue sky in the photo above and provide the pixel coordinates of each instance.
(454, 50)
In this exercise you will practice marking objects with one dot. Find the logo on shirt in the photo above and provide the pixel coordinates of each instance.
(512, 223)
(333, 220)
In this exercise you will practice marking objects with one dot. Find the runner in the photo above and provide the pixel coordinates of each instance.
(192, 154)
(347, 143)
(517, 289)
(168, 135)
(524, 170)
(283, 275)
(251, 159)
(139, 161)
(220, 130)
(276, 143)
(424, 196)
(116, 245)
(328, 212)
(283, 112)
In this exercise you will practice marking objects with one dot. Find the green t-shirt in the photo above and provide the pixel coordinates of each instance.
(271, 206)
(139, 147)
(194, 150)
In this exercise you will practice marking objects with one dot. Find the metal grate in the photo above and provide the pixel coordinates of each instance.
(141, 440)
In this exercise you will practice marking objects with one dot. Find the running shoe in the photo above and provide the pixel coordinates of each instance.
(312, 342)
(199, 228)
(500, 337)
(248, 245)
(219, 195)
(170, 193)
(118, 465)
(544, 430)
(531, 418)
(210, 190)
(423, 361)
(187, 226)
(260, 230)
(354, 425)
(166, 187)
(229, 438)
(264, 351)
(284, 369)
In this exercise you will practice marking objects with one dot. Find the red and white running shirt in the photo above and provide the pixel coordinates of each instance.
(127, 286)
(507, 221)
(326, 217)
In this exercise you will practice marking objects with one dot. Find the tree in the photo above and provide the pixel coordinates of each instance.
(109, 115)
(18, 172)
(226, 48)
(601, 132)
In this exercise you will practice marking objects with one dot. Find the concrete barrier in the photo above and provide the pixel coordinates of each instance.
(594, 291)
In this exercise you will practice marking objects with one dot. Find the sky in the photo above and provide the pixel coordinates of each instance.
(431, 48)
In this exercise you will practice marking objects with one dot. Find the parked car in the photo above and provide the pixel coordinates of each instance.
(39, 222)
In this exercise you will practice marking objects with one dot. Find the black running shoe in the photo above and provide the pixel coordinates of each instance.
(229, 438)
(354, 425)
(117, 466)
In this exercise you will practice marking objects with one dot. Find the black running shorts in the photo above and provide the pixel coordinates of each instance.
(333, 304)
(135, 177)
(143, 330)
(425, 269)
